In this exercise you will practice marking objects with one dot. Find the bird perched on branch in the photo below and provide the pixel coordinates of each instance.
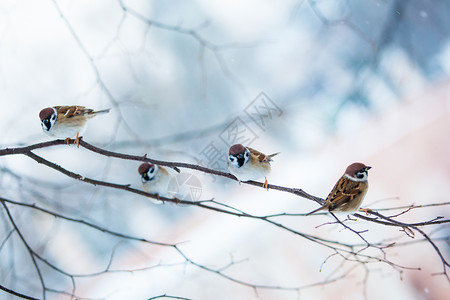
(348, 193)
(67, 121)
(155, 179)
(247, 164)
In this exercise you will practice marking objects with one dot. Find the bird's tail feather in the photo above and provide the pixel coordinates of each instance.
(314, 211)
(272, 155)
(103, 111)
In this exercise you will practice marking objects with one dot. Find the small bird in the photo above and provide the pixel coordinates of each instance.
(348, 193)
(67, 121)
(247, 164)
(155, 179)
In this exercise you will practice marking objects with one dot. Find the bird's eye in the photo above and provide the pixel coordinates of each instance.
(240, 155)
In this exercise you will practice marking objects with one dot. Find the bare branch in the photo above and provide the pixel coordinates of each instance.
(168, 297)
(29, 249)
(14, 293)
(25, 150)
(348, 252)
(445, 263)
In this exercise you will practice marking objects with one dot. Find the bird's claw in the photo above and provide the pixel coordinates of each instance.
(77, 140)
(266, 184)
(366, 210)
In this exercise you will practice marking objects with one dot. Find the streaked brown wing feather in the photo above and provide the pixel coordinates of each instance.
(261, 157)
(72, 111)
(343, 192)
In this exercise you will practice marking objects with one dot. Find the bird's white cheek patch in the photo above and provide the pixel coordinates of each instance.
(356, 179)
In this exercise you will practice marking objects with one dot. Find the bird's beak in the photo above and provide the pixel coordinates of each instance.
(368, 168)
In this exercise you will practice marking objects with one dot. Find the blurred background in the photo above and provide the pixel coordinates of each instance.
(325, 83)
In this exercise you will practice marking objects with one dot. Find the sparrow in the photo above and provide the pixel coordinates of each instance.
(247, 164)
(348, 193)
(155, 179)
(67, 121)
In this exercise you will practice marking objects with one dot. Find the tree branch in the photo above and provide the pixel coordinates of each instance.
(347, 251)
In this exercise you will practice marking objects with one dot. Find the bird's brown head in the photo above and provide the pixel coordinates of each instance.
(144, 167)
(48, 118)
(357, 171)
(147, 171)
(236, 149)
(238, 155)
(46, 113)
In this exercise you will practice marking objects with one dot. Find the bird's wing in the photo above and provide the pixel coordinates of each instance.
(71, 111)
(261, 157)
(343, 192)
